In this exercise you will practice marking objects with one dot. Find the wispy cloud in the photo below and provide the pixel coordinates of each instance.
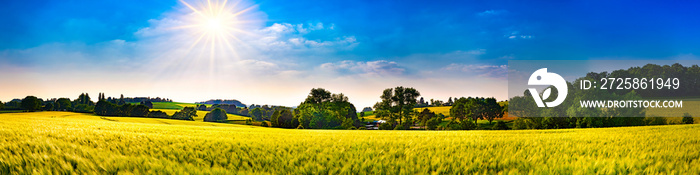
(491, 13)
(517, 35)
(369, 68)
(492, 71)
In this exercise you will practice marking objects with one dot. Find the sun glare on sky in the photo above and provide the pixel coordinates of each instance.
(216, 24)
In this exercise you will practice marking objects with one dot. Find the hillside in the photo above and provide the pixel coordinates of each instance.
(219, 101)
(63, 142)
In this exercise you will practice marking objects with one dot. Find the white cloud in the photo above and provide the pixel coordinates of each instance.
(369, 68)
(491, 12)
(517, 35)
(493, 71)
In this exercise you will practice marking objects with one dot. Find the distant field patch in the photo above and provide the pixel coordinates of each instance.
(201, 114)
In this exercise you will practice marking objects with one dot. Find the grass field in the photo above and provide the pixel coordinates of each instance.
(201, 114)
(172, 105)
(690, 106)
(63, 142)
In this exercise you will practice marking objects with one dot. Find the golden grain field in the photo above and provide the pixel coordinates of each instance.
(63, 142)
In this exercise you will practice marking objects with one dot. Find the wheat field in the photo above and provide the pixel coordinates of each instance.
(63, 142)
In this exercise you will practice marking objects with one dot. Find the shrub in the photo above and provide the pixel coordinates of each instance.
(655, 121)
(432, 124)
(467, 124)
(453, 125)
(264, 124)
(687, 119)
(216, 115)
(520, 123)
(385, 126)
(158, 114)
(500, 125)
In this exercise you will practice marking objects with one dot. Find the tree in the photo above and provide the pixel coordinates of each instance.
(139, 111)
(148, 104)
(105, 108)
(2, 105)
(216, 115)
(202, 107)
(264, 124)
(687, 119)
(433, 123)
(158, 114)
(256, 114)
(492, 109)
(323, 110)
(121, 100)
(348, 124)
(47, 107)
(31, 103)
(425, 116)
(318, 96)
(500, 125)
(461, 109)
(274, 120)
(398, 102)
(84, 108)
(187, 113)
(84, 99)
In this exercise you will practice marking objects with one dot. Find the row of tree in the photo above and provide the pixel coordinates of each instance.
(106, 108)
(32, 103)
(689, 79)
(570, 114)
(320, 110)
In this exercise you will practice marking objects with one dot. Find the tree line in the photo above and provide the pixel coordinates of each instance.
(396, 107)
(570, 114)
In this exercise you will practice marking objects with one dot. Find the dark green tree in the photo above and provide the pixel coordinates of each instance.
(105, 108)
(148, 104)
(433, 123)
(48, 106)
(187, 113)
(140, 111)
(216, 115)
(63, 104)
(492, 109)
(398, 102)
(318, 96)
(256, 114)
(500, 125)
(31, 103)
(687, 119)
(158, 114)
(121, 100)
(323, 110)
(425, 115)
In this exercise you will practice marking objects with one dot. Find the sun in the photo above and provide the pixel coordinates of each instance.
(216, 25)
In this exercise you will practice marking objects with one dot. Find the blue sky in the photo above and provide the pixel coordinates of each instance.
(443, 48)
